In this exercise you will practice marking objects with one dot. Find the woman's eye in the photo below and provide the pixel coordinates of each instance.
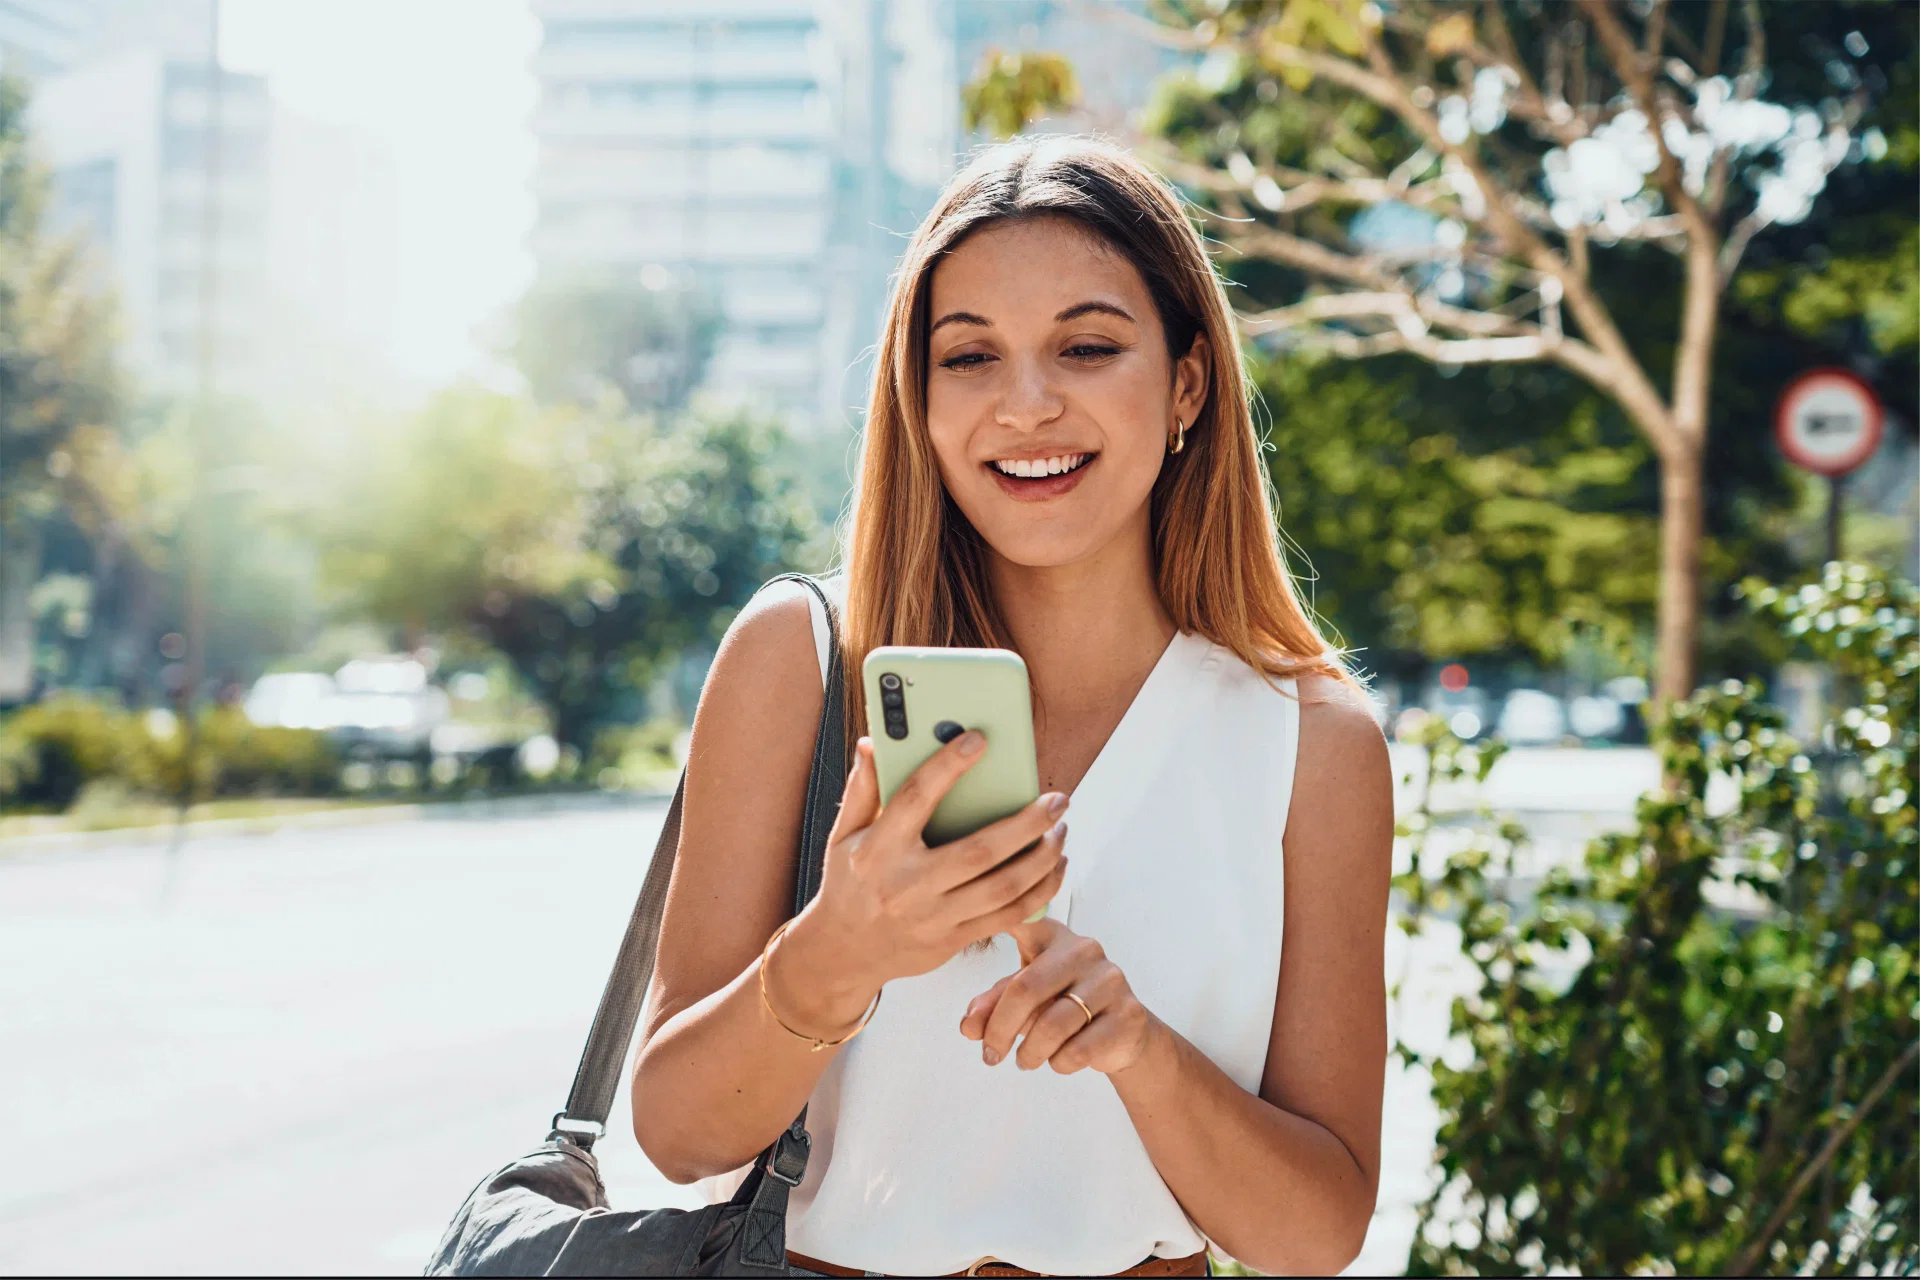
(1091, 351)
(965, 360)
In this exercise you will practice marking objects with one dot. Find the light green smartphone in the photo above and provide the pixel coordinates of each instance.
(918, 700)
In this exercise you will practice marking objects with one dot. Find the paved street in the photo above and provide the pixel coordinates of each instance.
(297, 1052)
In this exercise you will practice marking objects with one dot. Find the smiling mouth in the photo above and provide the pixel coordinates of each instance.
(1041, 468)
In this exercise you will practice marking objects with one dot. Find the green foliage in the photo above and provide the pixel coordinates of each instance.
(1844, 286)
(60, 744)
(1009, 91)
(58, 388)
(637, 755)
(235, 757)
(52, 750)
(1503, 570)
(1430, 535)
(586, 546)
(579, 339)
(56, 350)
(1696, 1053)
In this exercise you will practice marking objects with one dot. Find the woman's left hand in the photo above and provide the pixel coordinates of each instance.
(1032, 1003)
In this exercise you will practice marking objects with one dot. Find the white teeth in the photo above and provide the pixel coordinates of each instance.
(1031, 468)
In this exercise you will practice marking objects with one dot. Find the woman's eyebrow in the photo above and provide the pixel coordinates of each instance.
(961, 317)
(1093, 308)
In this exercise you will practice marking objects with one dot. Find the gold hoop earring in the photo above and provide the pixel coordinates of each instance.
(1178, 439)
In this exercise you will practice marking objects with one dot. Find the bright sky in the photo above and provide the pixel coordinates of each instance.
(444, 85)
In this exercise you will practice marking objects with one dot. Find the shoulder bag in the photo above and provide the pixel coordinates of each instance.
(546, 1213)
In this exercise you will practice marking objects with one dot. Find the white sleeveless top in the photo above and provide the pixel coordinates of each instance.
(924, 1159)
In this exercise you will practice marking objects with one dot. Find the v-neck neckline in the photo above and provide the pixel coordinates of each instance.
(1127, 759)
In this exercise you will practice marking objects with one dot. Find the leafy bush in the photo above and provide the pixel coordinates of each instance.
(50, 751)
(634, 755)
(1726, 1083)
(235, 757)
(58, 745)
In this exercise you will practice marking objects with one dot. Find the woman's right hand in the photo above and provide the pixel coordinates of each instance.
(891, 907)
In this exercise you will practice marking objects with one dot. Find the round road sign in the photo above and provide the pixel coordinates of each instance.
(1828, 421)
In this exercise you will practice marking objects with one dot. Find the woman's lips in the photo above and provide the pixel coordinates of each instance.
(1040, 488)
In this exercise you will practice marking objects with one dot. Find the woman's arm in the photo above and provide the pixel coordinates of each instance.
(717, 1078)
(1284, 1181)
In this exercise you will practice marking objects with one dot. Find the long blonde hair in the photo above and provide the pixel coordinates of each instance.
(917, 569)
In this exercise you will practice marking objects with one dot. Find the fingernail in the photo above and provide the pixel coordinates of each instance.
(1056, 804)
(1059, 832)
(991, 1055)
(972, 742)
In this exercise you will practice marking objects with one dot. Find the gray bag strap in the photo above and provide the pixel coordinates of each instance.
(597, 1077)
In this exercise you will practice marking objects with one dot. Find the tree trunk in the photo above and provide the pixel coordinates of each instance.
(20, 549)
(1682, 526)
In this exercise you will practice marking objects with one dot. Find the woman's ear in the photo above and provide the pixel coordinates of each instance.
(1192, 379)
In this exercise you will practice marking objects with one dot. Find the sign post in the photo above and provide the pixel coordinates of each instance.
(1829, 421)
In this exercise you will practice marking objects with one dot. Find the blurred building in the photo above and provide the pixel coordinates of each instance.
(130, 137)
(694, 137)
(39, 38)
(779, 153)
(306, 217)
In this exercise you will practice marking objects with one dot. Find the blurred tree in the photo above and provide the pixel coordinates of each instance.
(58, 387)
(587, 547)
(1424, 534)
(1696, 1053)
(1009, 91)
(641, 336)
(1411, 182)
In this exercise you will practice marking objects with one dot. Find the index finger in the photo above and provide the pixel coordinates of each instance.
(911, 807)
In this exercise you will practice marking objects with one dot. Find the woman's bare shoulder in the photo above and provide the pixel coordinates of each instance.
(1342, 749)
(767, 667)
(1332, 706)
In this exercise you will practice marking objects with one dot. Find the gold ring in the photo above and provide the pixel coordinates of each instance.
(1083, 1007)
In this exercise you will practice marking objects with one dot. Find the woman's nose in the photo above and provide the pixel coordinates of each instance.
(1028, 399)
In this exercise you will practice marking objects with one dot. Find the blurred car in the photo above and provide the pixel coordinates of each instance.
(292, 700)
(1532, 718)
(1596, 717)
(1467, 711)
(381, 707)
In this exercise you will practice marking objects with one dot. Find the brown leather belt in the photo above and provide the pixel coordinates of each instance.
(1194, 1264)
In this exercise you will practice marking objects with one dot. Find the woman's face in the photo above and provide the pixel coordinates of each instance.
(1050, 393)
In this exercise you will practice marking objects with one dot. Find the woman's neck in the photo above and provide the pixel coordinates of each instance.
(1090, 630)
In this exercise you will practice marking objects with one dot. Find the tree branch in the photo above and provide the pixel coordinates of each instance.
(1631, 66)
(1497, 338)
(1744, 1261)
(1716, 34)
(1628, 383)
(1298, 189)
(1527, 102)
(1655, 34)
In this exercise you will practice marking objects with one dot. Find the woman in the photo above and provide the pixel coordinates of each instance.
(1190, 1047)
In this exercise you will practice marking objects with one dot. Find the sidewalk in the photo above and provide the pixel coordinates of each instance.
(346, 815)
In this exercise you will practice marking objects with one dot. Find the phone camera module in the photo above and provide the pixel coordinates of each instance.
(890, 682)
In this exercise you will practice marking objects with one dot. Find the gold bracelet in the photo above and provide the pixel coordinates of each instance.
(816, 1041)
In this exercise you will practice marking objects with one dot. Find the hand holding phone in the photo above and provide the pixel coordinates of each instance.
(919, 699)
(943, 838)
(891, 906)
